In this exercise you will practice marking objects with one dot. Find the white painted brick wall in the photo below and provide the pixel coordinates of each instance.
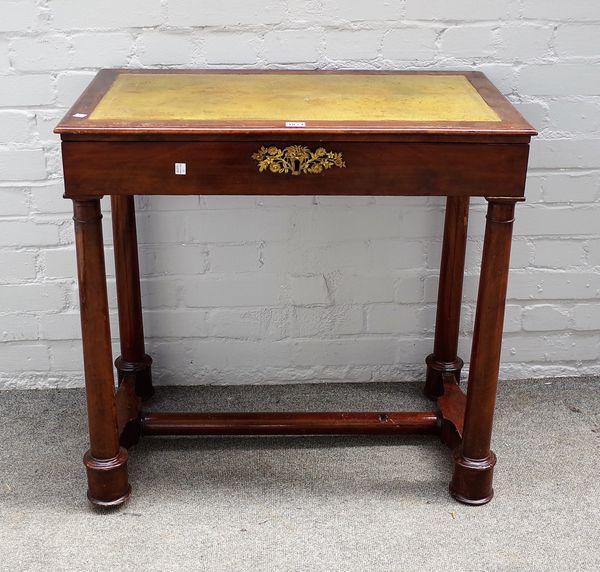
(273, 289)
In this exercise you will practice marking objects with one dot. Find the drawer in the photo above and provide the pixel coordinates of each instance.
(294, 168)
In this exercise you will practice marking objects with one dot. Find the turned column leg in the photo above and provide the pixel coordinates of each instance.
(444, 359)
(473, 460)
(105, 461)
(133, 359)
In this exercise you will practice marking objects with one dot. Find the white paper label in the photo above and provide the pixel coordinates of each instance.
(295, 124)
(180, 168)
(80, 115)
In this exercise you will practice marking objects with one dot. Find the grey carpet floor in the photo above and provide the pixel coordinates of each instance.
(305, 503)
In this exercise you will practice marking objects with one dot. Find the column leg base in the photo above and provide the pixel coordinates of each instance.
(434, 382)
(142, 371)
(472, 480)
(108, 484)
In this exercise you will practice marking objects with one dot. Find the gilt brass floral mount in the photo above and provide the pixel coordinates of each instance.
(296, 160)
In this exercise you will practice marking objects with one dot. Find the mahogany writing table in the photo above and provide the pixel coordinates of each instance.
(292, 133)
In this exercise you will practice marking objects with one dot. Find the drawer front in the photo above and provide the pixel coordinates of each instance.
(284, 168)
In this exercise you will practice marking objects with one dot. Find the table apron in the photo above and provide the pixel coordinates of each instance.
(97, 168)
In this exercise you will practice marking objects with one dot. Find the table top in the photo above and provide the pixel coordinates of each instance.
(145, 102)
